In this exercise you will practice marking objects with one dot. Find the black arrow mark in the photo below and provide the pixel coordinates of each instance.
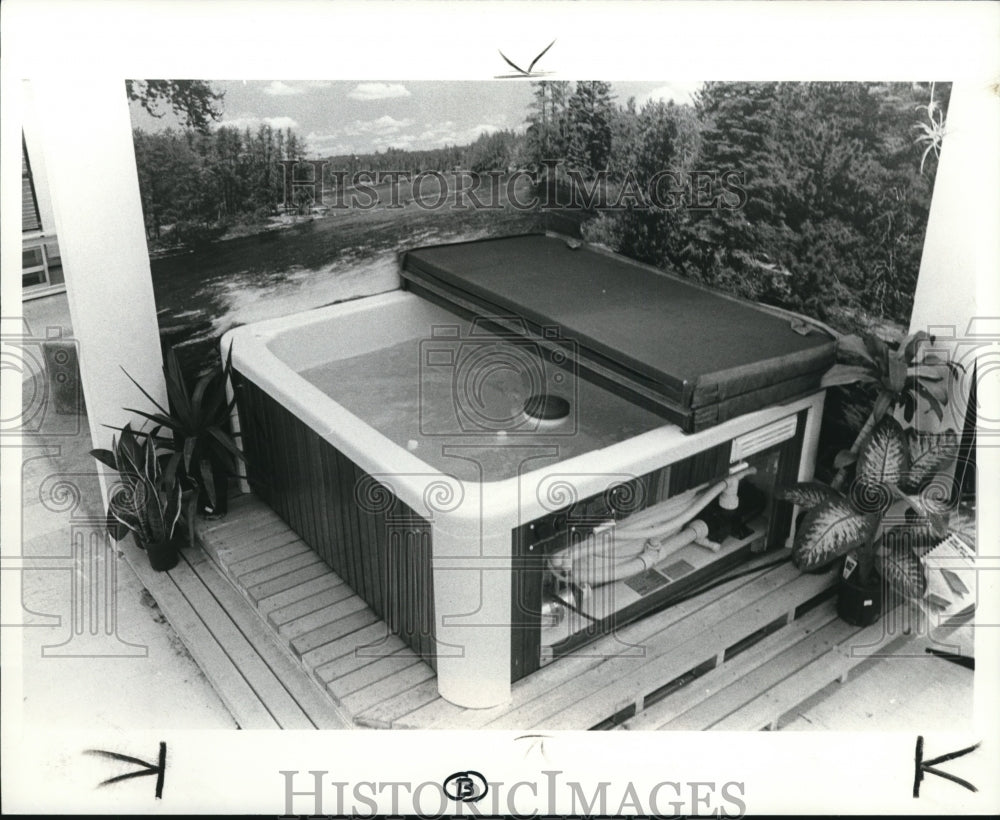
(538, 742)
(147, 770)
(921, 766)
(531, 67)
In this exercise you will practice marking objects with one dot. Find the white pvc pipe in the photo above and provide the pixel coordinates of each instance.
(600, 572)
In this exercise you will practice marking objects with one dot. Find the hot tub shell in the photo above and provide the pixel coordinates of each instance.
(435, 555)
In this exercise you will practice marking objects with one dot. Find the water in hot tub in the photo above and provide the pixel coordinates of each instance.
(458, 404)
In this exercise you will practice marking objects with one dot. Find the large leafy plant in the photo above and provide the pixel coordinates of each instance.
(895, 510)
(905, 376)
(202, 449)
(147, 501)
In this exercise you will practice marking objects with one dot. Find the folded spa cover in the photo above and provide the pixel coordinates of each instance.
(696, 356)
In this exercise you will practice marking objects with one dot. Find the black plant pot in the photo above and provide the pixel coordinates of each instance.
(162, 555)
(859, 604)
(221, 487)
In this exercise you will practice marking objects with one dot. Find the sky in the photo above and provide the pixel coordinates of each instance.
(338, 117)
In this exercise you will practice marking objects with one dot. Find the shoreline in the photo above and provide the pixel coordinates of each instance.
(241, 232)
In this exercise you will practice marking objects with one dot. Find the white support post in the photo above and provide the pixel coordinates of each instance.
(956, 298)
(957, 291)
(85, 132)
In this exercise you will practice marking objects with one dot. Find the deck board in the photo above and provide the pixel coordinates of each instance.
(287, 581)
(259, 676)
(720, 705)
(258, 684)
(348, 639)
(564, 674)
(293, 705)
(355, 661)
(312, 702)
(246, 515)
(312, 603)
(253, 541)
(261, 575)
(270, 604)
(769, 706)
(620, 682)
(364, 699)
(317, 628)
(388, 713)
(268, 557)
(247, 709)
(568, 670)
(369, 672)
(785, 648)
(364, 645)
(732, 672)
(895, 693)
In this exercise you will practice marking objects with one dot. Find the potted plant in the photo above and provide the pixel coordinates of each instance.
(892, 512)
(904, 377)
(883, 524)
(146, 502)
(204, 454)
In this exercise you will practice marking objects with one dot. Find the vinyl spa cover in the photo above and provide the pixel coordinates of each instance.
(696, 356)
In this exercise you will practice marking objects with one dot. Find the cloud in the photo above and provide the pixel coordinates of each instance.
(362, 136)
(382, 125)
(378, 91)
(281, 122)
(329, 145)
(678, 92)
(366, 136)
(279, 89)
(437, 130)
(253, 122)
(446, 134)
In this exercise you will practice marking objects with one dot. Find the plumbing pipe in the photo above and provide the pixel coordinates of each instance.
(670, 507)
(729, 498)
(667, 508)
(728, 486)
(602, 572)
(630, 541)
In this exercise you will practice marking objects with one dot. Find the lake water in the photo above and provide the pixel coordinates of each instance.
(202, 294)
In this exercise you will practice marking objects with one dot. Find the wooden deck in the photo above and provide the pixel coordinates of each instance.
(260, 683)
(740, 656)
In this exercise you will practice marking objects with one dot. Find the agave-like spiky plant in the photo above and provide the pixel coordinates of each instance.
(202, 449)
(146, 502)
(892, 466)
(906, 376)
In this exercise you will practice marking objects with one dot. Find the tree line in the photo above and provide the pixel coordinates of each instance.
(490, 151)
(834, 184)
(195, 185)
(833, 180)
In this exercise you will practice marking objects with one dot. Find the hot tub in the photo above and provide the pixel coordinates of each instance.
(405, 442)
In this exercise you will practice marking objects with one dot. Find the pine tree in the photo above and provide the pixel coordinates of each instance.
(590, 112)
(547, 123)
(835, 200)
